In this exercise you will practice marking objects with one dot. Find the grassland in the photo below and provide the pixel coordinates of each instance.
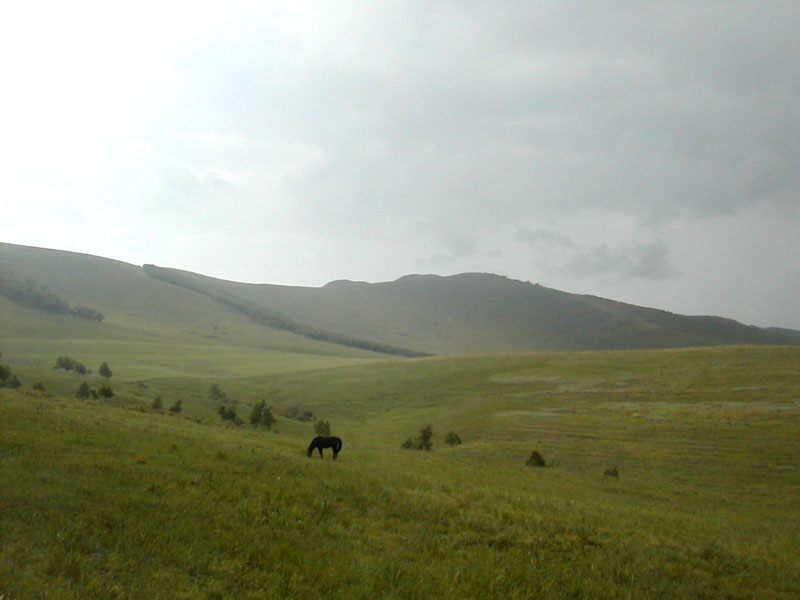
(112, 499)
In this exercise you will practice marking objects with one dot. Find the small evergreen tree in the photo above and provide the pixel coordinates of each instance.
(105, 371)
(257, 412)
(158, 403)
(424, 438)
(84, 391)
(322, 427)
(216, 393)
(267, 418)
(105, 391)
(260, 415)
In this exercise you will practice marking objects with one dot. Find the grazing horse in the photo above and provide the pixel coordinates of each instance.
(325, 441)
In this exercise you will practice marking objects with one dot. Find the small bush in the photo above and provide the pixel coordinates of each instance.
(105, 391)
(176, 407)
(105, 371)
(422, 441)
(216, 393)
(39, 386)
(535, 460)
(158, 403)
(322, 427)
(612, 472)
(84, 391)
(260, 415)
(228, 413)
(452, 439)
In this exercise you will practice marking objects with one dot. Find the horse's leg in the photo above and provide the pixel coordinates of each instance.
(320, 451)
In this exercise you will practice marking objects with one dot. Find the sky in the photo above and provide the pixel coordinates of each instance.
(647, 152)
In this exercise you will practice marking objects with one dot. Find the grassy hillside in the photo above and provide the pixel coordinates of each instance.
(136, 308)
(112, 499)
(475, 312)
(413, 316)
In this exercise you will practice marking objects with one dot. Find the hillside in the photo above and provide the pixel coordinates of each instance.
(118, 499)
(475, 312)
(413, 316)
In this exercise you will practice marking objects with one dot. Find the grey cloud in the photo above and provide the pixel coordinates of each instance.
(636, 261)
(543, 237)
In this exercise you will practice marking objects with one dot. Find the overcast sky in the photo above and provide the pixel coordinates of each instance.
(647, 152)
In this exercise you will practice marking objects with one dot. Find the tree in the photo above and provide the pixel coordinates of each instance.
(255, 414)
(105, 391)
(105, 371)
(322, 427)
(158, 403)
(424, 438)
(176, 406)
(84, 391)
(260, 415)
(452, 439)
(228, 413)
(216, 393)
(422, 441)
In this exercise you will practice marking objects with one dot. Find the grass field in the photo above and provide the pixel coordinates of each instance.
(112, 499)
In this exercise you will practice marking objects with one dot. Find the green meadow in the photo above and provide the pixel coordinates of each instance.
(111, 498)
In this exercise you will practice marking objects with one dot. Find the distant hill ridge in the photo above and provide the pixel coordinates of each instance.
(412, 316)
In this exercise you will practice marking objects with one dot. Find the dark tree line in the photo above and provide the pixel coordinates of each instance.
(32, 295)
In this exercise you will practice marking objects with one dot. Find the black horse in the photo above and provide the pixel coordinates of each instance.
(325, 441)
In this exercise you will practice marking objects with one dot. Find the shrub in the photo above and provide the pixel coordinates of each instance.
(228, 413)
(105, 370)
(176, 407)
(84, 391)
(216, 393)
(158, 403)
(612, 472)
(260, 415)
(39, 386)
(322, 427)
(422, 441)
(105, 391)
(452, 439)
(535, 460)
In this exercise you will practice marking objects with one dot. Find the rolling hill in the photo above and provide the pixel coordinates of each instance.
(412, 316)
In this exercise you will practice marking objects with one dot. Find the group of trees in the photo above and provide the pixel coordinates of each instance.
(424, 440)
(158, 404)
(66, 363)
(262, 415)
(85, 390)
(32, 295)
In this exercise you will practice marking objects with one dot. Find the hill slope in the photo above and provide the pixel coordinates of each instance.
(475, 312)
(414, 315)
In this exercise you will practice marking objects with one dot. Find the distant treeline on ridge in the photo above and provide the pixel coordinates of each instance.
(30, 294)
(275, 319)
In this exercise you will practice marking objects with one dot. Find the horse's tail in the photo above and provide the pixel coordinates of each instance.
(338, 445)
